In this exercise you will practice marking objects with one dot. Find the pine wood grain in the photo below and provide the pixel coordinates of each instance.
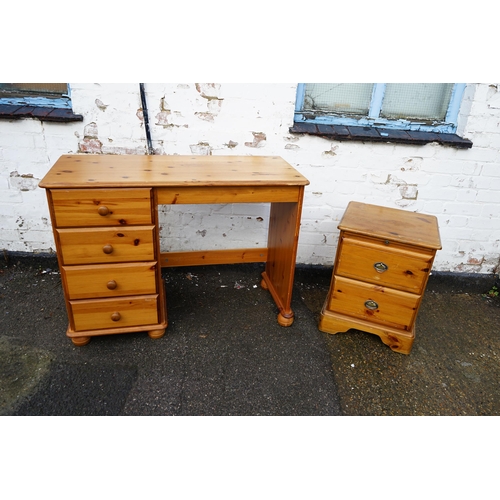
(395, 308)
(88, 245)
(210, 257)
(84, 171)
(226, 194)
(89, 196)
(407, 268)
(381, 268)
(101, 207)
(283, 236)
(398, 340)
(110, 280)
(98, 314)
(393, 224)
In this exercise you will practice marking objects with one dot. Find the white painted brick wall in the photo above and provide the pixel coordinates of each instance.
(460, 187)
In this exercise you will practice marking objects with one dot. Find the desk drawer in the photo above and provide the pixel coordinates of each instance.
(373, 303)
(388, 265)
(106, 245)
(100, 314)
(101, 207)
(115, 280)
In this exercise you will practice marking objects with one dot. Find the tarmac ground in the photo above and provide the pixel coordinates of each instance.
(224, 353)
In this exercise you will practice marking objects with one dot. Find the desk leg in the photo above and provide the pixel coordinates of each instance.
(284, 225)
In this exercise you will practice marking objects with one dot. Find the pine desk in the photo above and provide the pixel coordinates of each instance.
(104, 213)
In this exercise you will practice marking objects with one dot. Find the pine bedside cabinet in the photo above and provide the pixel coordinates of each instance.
(383, 261)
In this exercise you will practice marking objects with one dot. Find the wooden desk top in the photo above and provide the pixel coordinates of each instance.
(392, 223)
(88, 170)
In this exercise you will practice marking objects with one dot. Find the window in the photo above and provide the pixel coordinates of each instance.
(401, 112)
(45, 101)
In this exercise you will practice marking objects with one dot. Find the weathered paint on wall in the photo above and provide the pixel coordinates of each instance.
(461, 187)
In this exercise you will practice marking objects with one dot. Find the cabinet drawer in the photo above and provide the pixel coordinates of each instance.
(114, 313)
(390, 265)
(373, 303)
(106, 245)
(101, 207)
(115, 280)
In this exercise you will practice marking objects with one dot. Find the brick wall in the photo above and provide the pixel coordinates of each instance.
(460, 186)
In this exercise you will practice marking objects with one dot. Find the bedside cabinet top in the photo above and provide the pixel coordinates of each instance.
(392, 224)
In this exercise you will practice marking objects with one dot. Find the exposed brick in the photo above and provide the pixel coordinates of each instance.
(342, 164)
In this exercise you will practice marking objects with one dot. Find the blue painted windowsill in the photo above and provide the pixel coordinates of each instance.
(377, 134)
(42, 113)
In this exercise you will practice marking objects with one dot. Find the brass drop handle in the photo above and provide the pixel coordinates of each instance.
(380, 267)
(111, 285)
(116, 316)
(371, 304)
(103, 210)
(107, 249)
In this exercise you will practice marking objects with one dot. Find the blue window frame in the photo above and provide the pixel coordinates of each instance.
(37, 95)
(49, 102)
(382, 105)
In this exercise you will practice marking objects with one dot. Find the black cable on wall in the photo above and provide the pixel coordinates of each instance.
(146, 119)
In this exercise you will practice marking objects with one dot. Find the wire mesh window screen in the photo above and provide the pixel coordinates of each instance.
(339, 98)
(427, 101)
(35, 88)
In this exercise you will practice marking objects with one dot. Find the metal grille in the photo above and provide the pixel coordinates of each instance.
(338, 98)
(427, 101)
(35, 88)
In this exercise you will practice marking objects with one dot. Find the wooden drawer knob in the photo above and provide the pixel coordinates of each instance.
(116, 316)
(102, 210)
(107, 249)
(111, 285)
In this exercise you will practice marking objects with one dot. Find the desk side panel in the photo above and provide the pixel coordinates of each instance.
(284, 226)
